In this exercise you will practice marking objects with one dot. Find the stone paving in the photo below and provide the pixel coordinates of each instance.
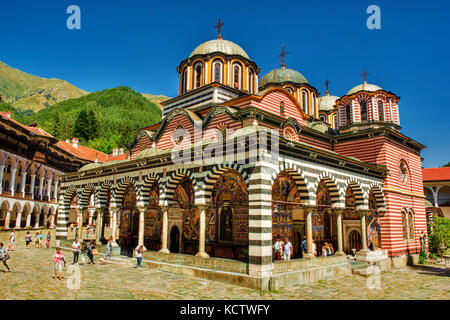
(32, 278)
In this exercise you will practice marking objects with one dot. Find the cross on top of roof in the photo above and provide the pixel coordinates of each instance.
(219, 26)
(283, 55)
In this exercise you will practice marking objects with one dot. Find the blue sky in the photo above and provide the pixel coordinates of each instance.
(139, 44)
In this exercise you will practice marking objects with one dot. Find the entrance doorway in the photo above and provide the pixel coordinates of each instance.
(354, 240)
(174, 240)
(299, 231)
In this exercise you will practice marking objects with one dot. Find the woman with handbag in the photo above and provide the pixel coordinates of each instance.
(4, 256)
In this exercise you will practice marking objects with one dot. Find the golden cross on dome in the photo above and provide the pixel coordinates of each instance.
(219, 28)
(364, 74)
(283, 55)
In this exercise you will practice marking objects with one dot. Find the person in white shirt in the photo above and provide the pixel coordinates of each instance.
(76, 246)
(139, 252)
(287, 252)
(277, 250)
(4, 256)
(314, 248)
(12, 238)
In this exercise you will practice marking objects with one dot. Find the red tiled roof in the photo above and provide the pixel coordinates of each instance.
(110, 157)
(36, 130)
(436, 174)
(83, 152)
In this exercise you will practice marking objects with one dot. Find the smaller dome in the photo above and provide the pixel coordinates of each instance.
(364, 87)
(283, 75)
(219, 45)
(428, 204)
(327, 102)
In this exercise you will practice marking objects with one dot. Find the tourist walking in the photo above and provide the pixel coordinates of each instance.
(287, 250)
(139, 253)
(90, 251)
(36, 240)
(47, 241)
(277, 250)
(28, 239)
(313, 247)
(58, 259)
(304, 245)
(4, 256)
(12, 238)
(76, 246)
(108, 248)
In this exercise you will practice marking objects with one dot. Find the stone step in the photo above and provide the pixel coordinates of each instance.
(116, 261)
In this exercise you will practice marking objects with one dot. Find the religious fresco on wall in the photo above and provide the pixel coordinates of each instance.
(230, 201)
(153, 220)
(129, 198)
(128, 206)
(285, 196)
(323, 200)
(191, 223)
(211, 224)
(185, 196)
(373, 225)
(350, 206)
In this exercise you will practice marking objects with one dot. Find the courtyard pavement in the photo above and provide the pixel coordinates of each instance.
(32, 278)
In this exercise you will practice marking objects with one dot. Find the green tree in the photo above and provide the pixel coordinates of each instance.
(439, 239)
(447, 164)
(81, 126)
(57, 126)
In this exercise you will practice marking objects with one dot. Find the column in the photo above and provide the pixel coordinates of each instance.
(80, 221)
(91, 216)
(56, 190)
(49, 189)
(363, 231)
(114, 225)
(340, 250)
(141, 226)
(41, 185)
(309, 238)
(260, 223)
(202, 233)
(33, 180)
(52, 220)
(36, 225)
(8, 216)
(99, 224)
(13, 180)
(45, 219)
(28, 219)
(18, 220)
(2, 169)
(24, 177)
(165, 227)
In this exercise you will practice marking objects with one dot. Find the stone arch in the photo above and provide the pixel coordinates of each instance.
(355, 186)
(307, 195)
(86, 194)
(204, 191)
(146, 186)
(337, 198)
(102, 194)
(173, 182)
(118, 192)
(14, 212)
(379, 195)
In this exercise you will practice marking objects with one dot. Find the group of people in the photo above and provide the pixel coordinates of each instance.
(83, 249)
(282, 250)
(39, 238)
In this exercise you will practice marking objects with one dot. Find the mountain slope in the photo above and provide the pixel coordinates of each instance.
(26, 91)
(156, 99)
(118, 113)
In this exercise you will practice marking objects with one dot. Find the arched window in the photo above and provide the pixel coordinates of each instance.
(184, 81)
(335, 121)
(348, 114)
(289, 89)
(403, 170)
(380, 111)
(250, 80)
(313, 104)
(305, 101)
(237, 76)
(411, 224)
(363, 105)
(322, 118)
(405, 224)
(198, 75)
(217, 71)
(282, 108)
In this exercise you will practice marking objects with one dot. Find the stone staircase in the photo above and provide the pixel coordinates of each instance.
(361, 268)
(118, 260)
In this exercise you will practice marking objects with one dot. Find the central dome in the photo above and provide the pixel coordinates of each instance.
(219, 45)
(327, 102)
(283, 75)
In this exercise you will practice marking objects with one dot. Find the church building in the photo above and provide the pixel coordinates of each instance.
(241, 159)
